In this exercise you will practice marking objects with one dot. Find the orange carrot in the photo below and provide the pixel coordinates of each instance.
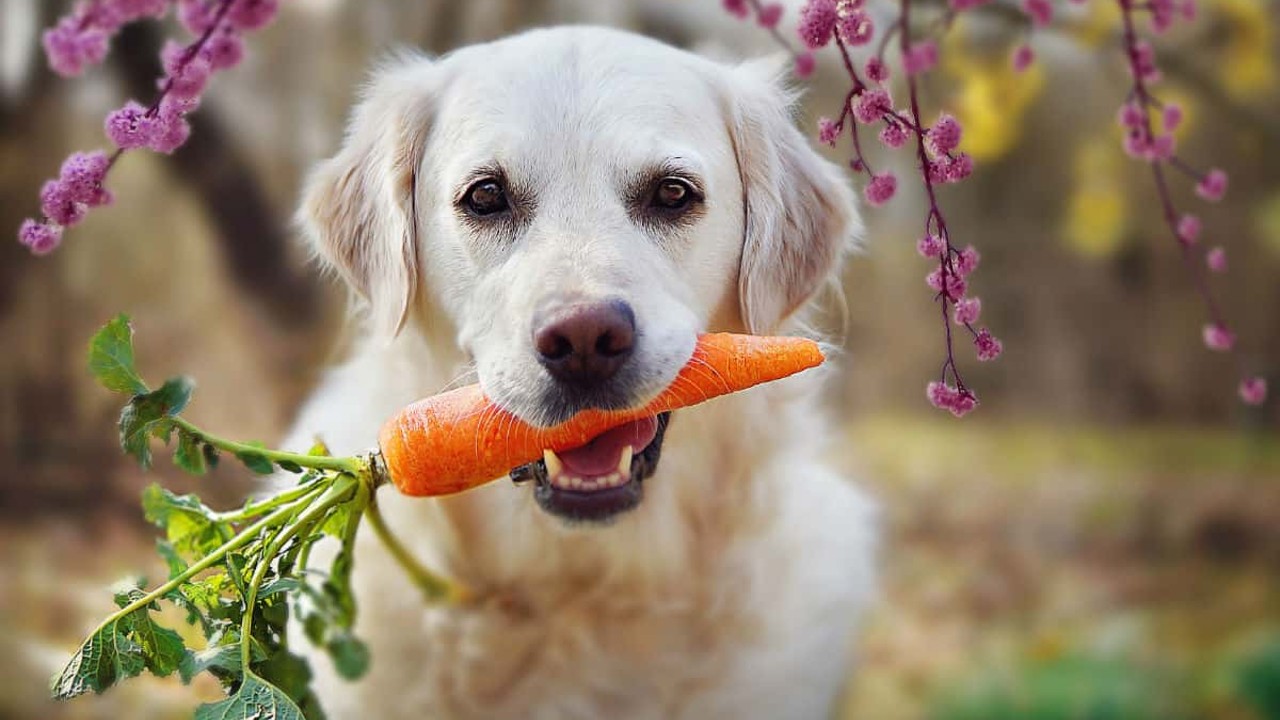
(457, 440)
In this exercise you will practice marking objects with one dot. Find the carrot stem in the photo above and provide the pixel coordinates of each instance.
(434, 587)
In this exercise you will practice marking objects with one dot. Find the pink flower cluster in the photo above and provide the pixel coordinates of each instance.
(1159, 150)
(846, 24)
(940, 161)
(82, 38)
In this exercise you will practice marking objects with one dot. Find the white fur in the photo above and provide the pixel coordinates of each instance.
(733, 589)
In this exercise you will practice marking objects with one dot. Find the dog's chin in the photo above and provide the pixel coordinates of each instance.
(601, 480)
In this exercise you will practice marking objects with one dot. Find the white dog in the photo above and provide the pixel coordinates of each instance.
(561, 212)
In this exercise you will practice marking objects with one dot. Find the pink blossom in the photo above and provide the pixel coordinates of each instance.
(737, 7)
(1023, 56)
(876, 69)
(71, 47)
(770, 15)
(944, 136)
(940, 394)
(40, 238)
(1213, 186)
(817, 23)
(59, 205)
(967, 310)
(197, 16)
(828, 131)
(955, 285)
(1162, 12)
(920, 58)
(173, 106)
(989, 347)
(805, 64)
(967, 261)
(1131, 115)
(1161, 148)
(1253, 390)
(871, 105)
(1041, 11)
(187, 72)
(1144, 62)
(1136, 144)
(1171, 117)
(82, 175)
(945, 397)
(129, 127)
(893, 135)
(223, 50)
(1216, 259)
(1189, 10)
(881, 189)
(251, 14)
(964, 403)
(931, 246)
(944, 169)
(135, 9)
(171, 134)
(855, 28)
(1218, 337)
(1189, 229)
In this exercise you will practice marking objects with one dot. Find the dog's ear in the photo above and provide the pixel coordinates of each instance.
(800, 214)
(359, 209)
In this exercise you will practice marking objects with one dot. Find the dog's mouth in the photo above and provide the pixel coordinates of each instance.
(601, 479)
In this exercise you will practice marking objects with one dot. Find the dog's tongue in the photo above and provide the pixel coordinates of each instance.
(601, 455)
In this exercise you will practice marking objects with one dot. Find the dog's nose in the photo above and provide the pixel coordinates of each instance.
(586, 344)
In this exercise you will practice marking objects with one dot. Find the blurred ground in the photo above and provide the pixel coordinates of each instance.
(1101, 540)
(1149, 556)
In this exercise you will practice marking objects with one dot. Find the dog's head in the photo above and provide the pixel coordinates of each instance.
(580, 203)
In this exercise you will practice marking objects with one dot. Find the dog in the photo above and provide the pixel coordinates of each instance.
(557, 215)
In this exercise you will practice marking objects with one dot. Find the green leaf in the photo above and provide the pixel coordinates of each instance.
(190, 454)
(279, 585)
(221, 661)
(151, 415)
(111, 358)
(162, 648)
(210, 455)
(104, 659)
(189, 524)
(121, 649)
(350, 655)
(256, 699)
(255, 462)
(290, 466)
(289, 673)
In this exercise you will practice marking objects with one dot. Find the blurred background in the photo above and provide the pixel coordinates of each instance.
(1100, 540)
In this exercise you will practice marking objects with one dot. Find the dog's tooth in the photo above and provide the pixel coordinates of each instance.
(575, 483)
(624, 462)
(554, 466)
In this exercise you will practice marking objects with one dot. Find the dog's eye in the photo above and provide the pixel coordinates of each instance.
(673, 194)
(486, 197)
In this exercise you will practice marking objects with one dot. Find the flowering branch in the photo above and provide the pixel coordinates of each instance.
(938, 160)
(83, 38)
(1143, 143)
